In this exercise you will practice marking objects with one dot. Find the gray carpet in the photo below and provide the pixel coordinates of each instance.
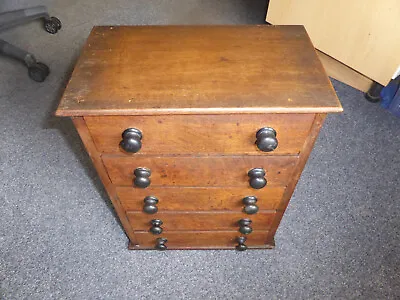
(59, 238)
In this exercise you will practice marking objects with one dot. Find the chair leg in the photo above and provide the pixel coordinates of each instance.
(36, 70)
(12, 51)
(21, 16)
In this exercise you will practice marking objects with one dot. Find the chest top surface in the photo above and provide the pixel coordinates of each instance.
(146, 70)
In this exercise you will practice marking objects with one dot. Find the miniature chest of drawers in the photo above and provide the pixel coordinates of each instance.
(199, 133)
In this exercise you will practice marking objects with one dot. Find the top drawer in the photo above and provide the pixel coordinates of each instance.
(197, 134)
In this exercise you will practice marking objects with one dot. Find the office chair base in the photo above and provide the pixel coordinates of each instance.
(38, 71)
(52, 25)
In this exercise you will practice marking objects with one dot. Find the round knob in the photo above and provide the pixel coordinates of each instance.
(241, 246)
(142, 179)
(156, 226)
(250, 205)
(160, 244)
(266, 139)
(150, 205)
(257, 180)
(244, 226)
(131, 140)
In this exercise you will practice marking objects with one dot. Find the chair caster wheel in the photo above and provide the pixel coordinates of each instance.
(373, 94)
(38, 72)
(52, 25)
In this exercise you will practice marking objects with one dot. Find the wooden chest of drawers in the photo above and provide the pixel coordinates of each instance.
(199, 133)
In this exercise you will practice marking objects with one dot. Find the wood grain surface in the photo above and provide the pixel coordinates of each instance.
(199, 199)
(84, 134)
(148, 70)
(206, 171)
(199, 94)
(211, 134)
(305, 153)
(178, 220)
(202, 240)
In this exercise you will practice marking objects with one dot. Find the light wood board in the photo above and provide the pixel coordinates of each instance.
(362, 34)
(345, 74)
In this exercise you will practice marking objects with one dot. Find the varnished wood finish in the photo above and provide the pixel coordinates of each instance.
(202, 240)
(308, 146)
(211, 134)
(228, 171)
(207, 220)
(199, 94)
(199, 199)
(151, 70)
(101, 171)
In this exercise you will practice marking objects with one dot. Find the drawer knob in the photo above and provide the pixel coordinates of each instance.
(156, 226)
(160, 244)
(142, 177)
(250, 206)
(244, 226)
(257, 180)
(150, 205)
(131, 140)
(241, 246)
(266, 139)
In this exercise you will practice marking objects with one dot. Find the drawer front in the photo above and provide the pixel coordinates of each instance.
(173, 221)
(199, 199)
(223, 171)
(200, 239)
(196, 134)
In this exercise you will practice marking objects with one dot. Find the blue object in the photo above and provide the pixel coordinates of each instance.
(389, 92)
(394, 106)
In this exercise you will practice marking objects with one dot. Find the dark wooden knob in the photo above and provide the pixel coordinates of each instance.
(156, 226)
(241, 246)
(160, 244)
(150, 205)
(244, 226)
(131, 140)
(266, 139)
(142, 177)
(257, 180)
(250, 206)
